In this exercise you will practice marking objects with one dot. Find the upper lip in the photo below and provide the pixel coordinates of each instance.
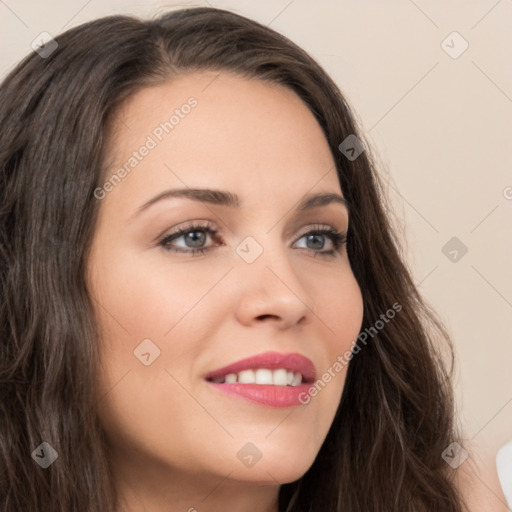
(293, 362)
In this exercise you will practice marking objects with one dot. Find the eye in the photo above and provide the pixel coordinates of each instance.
(194, 236)
(315, 240)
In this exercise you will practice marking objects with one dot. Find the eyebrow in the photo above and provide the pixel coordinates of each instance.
(222, 198)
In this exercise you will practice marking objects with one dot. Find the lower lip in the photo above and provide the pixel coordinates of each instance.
(271, 396)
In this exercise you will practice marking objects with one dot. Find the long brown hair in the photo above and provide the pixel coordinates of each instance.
(396, 415)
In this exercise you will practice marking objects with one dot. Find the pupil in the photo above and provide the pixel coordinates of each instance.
(196, 240)
(317, 238)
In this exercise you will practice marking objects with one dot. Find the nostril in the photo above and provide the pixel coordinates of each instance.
(263, 317)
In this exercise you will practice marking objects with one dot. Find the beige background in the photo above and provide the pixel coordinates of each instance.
(442, 128)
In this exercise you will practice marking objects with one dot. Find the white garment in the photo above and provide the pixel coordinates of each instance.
(504, 467)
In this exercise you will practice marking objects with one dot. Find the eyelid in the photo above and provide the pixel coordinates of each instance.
(206, 224)
(188, 225)
(317, 227)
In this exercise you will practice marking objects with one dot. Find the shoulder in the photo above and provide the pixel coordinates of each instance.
(480, 487)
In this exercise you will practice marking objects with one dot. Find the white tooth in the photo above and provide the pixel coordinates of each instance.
(231, 378)
(297, 379)
(246, 377)
(280, 377)
(263, 376)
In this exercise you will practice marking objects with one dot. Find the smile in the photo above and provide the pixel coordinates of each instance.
(270, 379)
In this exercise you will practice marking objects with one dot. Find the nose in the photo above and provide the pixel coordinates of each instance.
(269, 290)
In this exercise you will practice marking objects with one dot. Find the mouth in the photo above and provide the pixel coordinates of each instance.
(262, 377)
(269, 368)
(270, 379)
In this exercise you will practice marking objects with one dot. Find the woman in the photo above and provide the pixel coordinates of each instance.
(204, 305)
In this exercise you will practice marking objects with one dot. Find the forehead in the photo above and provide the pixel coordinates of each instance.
(219, 130)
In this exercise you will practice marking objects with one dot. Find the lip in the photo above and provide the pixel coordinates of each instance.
(293, 362)
(265, 394)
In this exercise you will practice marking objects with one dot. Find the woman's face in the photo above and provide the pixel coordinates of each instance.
(170, 317)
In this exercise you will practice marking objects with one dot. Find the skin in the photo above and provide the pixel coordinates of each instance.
(174, 440)
(479, 483)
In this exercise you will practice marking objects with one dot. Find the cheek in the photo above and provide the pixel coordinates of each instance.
(151, 300)
(338, 305)
(165, 310)
(338, 312)
(146, 406)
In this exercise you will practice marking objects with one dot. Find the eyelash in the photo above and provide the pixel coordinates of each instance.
(338, 239)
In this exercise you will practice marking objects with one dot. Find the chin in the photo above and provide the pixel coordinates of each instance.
(276, 467)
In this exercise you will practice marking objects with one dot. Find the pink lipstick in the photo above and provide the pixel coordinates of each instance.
(271, 379)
